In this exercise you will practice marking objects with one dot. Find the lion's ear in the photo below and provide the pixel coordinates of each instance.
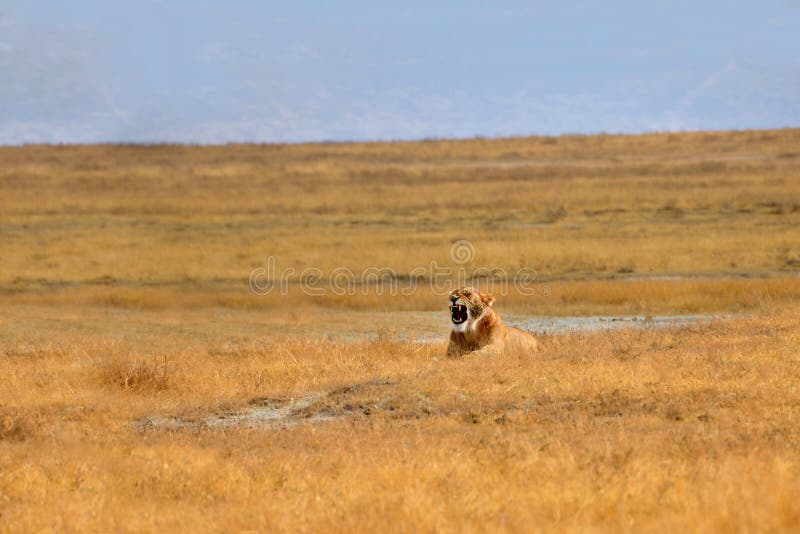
(487, 299)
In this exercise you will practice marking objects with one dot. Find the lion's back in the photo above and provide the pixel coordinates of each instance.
(520, 341)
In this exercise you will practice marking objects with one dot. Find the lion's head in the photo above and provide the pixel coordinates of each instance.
(467, 306)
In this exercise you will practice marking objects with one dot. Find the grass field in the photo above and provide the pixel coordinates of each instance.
(124, 297)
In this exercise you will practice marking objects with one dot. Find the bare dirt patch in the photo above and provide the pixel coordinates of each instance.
(283, 412)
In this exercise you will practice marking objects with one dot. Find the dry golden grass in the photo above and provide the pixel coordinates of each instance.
(691, 427)
(124, 299)
(132, 217)
(554, 297)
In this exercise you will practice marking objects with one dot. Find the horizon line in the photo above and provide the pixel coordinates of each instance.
(417, 140)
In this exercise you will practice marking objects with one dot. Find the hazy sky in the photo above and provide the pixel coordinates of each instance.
(294, 70)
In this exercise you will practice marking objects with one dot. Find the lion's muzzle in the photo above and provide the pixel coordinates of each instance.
(458, 313)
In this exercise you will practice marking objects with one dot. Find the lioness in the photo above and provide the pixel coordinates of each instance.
(478, 329)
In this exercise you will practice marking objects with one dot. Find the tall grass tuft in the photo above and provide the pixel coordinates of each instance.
(137, 374)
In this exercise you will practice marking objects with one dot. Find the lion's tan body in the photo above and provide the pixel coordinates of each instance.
(484, 332)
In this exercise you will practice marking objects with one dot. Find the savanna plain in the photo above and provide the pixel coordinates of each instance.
(144, 386)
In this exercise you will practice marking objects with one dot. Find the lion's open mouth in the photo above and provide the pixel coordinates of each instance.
(458, 313)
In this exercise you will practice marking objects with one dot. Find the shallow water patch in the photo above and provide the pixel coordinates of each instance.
(566, 325)
(431, 327)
